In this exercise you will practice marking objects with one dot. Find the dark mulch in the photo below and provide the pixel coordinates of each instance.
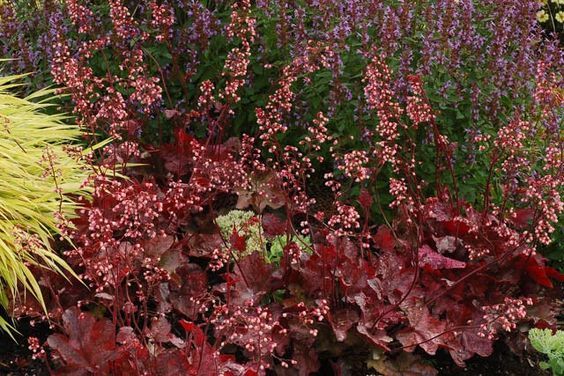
(503, 362)
(15, 357)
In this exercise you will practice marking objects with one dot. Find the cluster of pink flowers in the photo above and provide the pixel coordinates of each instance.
(162, 19)
(34, 345)
(503, 316)
(346, 221)
(125, 27)
(418, 109)
(271, 118)
(147, 91)
(544, 194)
(380, 97)
(398, 189)
(318, 134)
(253, 328)
(510, 138)
(205, 100)
(353, 165)
(242, 26)
(81, 16)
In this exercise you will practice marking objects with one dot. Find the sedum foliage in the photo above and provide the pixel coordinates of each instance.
(552, 345)
(247, 224)
(38, 180)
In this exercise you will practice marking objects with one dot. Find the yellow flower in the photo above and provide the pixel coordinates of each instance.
(542, 16)
(560, 17)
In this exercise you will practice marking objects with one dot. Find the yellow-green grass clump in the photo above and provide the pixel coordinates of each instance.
(39, 179)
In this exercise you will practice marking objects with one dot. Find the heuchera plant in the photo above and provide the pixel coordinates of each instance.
(408, 153)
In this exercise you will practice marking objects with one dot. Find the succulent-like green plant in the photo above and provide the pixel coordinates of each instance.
(248, 224)
(39, 178)
(552, 345)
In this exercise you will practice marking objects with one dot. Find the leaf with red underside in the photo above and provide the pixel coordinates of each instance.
(203, 245)
(318, 271)
(538, 274)
(203, 359)
(89, 344)
(198, 335)
(554, 274)
(266, 191)
(173, 363)
(341, 321)
(384, 239)
(378, 337)
(438, 210)
(456, 228)
(535, 269)
(429, 257)
(476, 344)
(158, 245)
(160, 332)
(425, 330)
(252, 278)
(237, 241)
(177, 157)
(188, 284)
(273, 225)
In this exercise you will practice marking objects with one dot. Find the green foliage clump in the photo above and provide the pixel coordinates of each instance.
(552, 345)
(38, 180)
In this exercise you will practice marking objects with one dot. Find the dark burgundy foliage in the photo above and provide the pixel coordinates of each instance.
(401, 160)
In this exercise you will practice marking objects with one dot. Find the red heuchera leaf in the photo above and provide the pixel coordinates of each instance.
(456, 228)
(435, 260)
(89, 344)
(191, 328)
(203, 245)
(377, 337)
(438, 210)
(341, 321)
(476, 344)
(273, 225)
(535, 269)
(252, 278)
(384, 239)
(188, 284)
(237, 241)
(174, 362)
(425, 330)
(538, 274)
(178, 156)
(317, 274)
(266, 191)
(160, 332)
(554, 274)
(158, 245)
